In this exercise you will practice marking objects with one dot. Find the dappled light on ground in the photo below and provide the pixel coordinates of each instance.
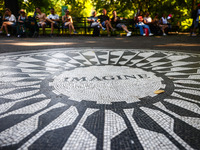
(91, 42)
(39, 43)
(178, 44)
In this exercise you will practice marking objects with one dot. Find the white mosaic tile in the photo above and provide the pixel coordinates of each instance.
(21, 130)
(114, 125)
(150, 140)
(81, 138)
(112, 86)
(65, 119)
(166, 123)
(184, 104)
(6, 106)
(28, 109)
(193, 121)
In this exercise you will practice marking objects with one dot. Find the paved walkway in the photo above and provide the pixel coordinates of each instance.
(171, 42)
(99, 98)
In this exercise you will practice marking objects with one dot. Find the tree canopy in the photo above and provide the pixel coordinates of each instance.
(180, 9)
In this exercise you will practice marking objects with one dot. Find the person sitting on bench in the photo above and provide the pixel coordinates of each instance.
(42, 19)
(116, 22)
(21, 28)
(164, 23)
(9, 20)
(53, 20)
(105, 21)
(67, 20)
(156, 22)
(148, 21)
(140, 24)
(195, 22)
(94, 21)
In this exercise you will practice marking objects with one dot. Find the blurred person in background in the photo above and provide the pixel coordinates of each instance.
(9, 20)
(117, 24)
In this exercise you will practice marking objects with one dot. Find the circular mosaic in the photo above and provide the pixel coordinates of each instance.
(106, 84)
(102, 99)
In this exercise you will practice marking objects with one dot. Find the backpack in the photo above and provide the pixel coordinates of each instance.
(96, 31)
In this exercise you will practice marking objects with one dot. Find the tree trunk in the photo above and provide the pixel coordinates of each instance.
(194, 4)
(13, 6)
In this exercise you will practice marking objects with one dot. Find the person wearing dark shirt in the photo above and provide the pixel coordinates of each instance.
(105, 21)
(116, 22)
(195, 23)
(21, 28)
(94, 21)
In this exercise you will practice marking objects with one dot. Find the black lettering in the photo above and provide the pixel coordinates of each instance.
(119, 77)
(128, 77)
(108, 78)
(95, 78)
(142, 76)
(79, 79)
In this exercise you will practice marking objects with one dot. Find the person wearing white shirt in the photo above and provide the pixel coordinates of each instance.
(164, 20)
(147, 19)
(9, 20)
(53, 19)
(164, 24)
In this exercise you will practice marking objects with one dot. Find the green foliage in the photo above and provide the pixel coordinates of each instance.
(1, 6)
(180, 9)
(30, 5)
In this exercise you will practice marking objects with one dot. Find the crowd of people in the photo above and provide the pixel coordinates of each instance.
(145, 23)
(155, 25)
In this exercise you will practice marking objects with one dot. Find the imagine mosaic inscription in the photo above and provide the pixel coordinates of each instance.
(102, 99)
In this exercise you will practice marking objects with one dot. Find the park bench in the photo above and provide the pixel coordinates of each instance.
(48, 26)
(83, 27)
(130, 25)
(80, 24)
(12, 29)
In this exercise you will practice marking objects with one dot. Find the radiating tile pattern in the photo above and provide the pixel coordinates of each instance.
(99, 99)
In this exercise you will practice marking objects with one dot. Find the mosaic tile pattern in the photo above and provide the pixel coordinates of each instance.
(99, 99)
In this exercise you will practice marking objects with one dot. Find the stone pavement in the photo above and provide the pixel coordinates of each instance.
(92, 98)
